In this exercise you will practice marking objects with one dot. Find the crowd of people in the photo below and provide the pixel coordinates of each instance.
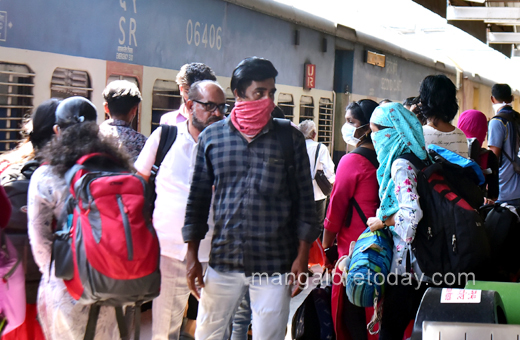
(237, 196)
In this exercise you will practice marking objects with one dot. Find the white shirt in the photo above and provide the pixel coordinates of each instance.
(325, 163)
(455, 140)
(172, 188)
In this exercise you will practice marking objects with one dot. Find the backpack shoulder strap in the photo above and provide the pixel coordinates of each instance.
(359, 211)
(509, 116)
(284, 136)
(168, 136)
(412, 158)
(368, 154)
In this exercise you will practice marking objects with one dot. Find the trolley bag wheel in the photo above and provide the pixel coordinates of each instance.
(458, 305)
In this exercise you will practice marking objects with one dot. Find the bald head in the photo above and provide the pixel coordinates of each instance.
(206, 104)
(203, 88)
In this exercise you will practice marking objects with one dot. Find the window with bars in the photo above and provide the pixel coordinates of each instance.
(166, 97)
(325, 121)
(230, 100)
(67, 83)
(16, 102)
(306, 108)
(286, 103)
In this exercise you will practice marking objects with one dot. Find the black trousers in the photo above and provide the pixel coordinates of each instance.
(400, 305)
(321, 209)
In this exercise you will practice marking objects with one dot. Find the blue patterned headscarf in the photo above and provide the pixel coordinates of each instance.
(403, 134)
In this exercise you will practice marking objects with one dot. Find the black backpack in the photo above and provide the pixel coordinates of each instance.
(15, 180)
(451, 236)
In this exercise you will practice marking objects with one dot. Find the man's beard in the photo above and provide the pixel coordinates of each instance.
(201, 125)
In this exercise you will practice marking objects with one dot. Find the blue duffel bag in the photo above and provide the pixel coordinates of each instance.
(369, 266)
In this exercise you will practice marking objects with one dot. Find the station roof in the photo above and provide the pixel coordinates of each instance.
(411, 26)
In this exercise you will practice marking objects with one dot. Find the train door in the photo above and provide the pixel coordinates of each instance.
(16, 102)
(132, 73)
(343, 82)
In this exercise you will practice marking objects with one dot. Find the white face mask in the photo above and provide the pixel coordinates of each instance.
(348, 131)
(498, 106)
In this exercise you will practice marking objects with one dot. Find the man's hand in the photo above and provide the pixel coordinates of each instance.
(194, 277)
(194, 269)
(300, 269)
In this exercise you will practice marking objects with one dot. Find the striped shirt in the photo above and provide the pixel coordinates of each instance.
(254, 232)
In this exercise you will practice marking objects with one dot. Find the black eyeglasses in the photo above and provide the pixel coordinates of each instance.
(211, 107)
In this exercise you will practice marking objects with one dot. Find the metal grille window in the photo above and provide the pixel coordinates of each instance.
(16, 102)
(286, 103)
(166, 97)
(325, 122)
(306, 108)
(230, 100)
(66, 83)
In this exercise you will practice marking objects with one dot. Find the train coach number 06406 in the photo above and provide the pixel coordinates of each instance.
(200, 33)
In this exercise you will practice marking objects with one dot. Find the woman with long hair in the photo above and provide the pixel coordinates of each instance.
(38, 131)
(356, 184)
(77, 134)
(438, 106)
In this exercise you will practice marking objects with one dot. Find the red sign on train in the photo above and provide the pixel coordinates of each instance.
(310, 76)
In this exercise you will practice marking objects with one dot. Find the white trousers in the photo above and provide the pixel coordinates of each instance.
(223, 292)
(168, 308)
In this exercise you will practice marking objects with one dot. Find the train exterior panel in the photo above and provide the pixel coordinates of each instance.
(60, 49)
(160, 36)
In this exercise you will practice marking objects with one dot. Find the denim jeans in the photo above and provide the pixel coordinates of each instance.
(223, 292)
(241, 320)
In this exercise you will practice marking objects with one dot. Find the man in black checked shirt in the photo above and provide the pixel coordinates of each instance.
(257, 246)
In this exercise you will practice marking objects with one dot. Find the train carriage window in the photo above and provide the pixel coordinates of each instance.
(16, 102)
(306, 108)
(66, 83)
(230, 100)
(166, 97)
(325, 122)
(286, 103)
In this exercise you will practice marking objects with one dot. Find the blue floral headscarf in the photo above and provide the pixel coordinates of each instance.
(402, 134)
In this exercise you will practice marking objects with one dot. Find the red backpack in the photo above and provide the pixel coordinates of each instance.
(107, 251)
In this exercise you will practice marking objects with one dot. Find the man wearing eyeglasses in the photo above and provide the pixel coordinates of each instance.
(188, 74)
(258, 246)
(206, 104)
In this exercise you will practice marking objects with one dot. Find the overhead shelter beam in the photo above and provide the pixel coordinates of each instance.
(488, 14)
(503, 38)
